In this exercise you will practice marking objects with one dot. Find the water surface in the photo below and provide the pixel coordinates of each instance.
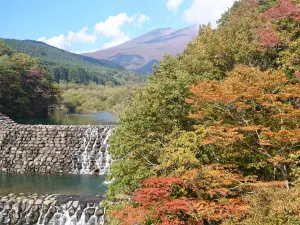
(81, 185)
(59, 118)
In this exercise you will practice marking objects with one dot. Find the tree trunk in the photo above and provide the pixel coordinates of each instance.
(283, 170)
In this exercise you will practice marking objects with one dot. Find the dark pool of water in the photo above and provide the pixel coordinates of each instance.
(59, 118)
(81, 185)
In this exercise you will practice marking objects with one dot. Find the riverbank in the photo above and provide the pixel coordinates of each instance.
(61, 118)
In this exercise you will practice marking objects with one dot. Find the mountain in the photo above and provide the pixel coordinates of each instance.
(142, 52)
(52, 55)
(69, 67)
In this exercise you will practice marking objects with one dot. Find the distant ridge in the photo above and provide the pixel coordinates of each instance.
(141, 53)
(52, 55)
(65, 66)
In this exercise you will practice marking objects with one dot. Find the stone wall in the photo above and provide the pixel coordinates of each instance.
(4, 120)
(50, 209)
(52, 149)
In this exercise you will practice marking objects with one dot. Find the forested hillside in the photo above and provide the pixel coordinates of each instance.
(73, 68)
(214, 136)
(25, 87)
(94, 98)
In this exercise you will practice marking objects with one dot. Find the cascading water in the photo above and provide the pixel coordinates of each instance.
(87, 216)
(52, 210)
(94, 157)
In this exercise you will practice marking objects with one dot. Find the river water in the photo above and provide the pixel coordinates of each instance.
(59, 118)
(81, 185)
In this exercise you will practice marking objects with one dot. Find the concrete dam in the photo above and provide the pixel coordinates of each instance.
(52, 149)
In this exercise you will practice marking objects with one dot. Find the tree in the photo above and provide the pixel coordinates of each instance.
(156, 112)
(280, 35)
(155, 203)
(251, 118)
(25, 88)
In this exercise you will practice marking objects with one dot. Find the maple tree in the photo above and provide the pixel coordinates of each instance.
(156, 201)
(205, 195)
(240, 144)
(279, 35)
(252, 117)
(25, 88)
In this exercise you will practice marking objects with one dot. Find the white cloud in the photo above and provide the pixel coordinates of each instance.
(141, 19)
(205, 11)
(65, 41)
(57, 41)
(112, 27)
(81, 36)
(87, 51)
(116, 41)
(173, 5)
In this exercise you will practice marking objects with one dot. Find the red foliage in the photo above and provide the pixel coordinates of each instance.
(268, 38)
(146, 196)
(155, 201)
(285, 9)
(267, 35)
(133, 78)
(297, 75)
(159, 182)
(36, 73)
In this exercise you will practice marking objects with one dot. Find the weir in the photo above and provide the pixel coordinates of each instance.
(51, 210)
(52, 149)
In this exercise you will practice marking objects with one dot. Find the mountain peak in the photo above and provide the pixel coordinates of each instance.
(137, 54)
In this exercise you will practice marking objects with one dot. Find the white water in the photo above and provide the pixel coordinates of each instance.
(1, 214)
(95, 156)
(63, 216)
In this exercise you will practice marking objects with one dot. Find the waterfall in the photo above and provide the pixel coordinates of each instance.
(94, 157)
(57, 210)
(63, 216)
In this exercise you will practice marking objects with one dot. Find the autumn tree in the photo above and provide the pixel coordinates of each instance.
(25, 87)
(156, 202)
(157, 111)
(280, 35)
(156, 136)
(251, 118)
(205, 195)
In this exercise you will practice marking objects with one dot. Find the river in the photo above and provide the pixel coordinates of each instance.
(63, 184)
(82, 185)
(59, 118)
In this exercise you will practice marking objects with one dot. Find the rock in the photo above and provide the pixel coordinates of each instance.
(47, 202)
(11, 195)
(100, 212)
(68, 205)
(75, 204)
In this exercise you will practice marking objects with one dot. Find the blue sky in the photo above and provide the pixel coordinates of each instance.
(88, 25)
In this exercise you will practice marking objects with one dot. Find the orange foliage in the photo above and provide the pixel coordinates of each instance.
(252, 112)
(212, 193)
(217, 189)
(155, 202)
(216, 211)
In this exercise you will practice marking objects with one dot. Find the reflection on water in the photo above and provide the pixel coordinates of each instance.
(83, 185)
(59, 118)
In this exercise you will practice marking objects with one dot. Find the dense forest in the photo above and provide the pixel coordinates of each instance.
(56, 79)
(94, 98)
(25, 87)
(72, 68)
(214, 136)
